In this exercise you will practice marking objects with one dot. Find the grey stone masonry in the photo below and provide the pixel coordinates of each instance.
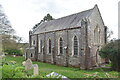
(72, 40)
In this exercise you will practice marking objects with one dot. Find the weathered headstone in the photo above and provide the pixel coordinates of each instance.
(27, 64)
(35, 69)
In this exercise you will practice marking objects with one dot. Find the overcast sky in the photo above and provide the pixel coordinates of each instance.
(24, 14)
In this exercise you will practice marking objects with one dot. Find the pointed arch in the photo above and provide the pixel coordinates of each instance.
(97, 34)
(50, 46)
(75, 47)
(60, 46)
(31, 55)
(41, 46)
(33, 42)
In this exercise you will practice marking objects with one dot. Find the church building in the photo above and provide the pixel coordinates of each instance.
(73, 40)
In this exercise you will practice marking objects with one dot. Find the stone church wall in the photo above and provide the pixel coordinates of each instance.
(40, 53)
(95, 20)
(34, 40)
(88, 55)
(54, 56)
(49, 56)
(74, 60)
(61, 58)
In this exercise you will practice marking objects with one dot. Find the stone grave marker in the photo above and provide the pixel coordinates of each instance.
(35, 69)
(27, 64)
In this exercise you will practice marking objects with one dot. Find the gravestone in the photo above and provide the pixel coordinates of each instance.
(27, 64)
(35, 69)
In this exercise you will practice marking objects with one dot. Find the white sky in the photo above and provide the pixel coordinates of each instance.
(24, 14)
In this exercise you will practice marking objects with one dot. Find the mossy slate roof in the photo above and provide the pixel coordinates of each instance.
(70, 21)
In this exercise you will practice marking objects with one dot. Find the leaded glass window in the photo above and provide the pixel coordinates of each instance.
(75, 46)
(97, 35)
(49, 46)
(40, 45)
(61, 46)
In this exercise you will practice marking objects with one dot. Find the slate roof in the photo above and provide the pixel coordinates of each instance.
(70, 21)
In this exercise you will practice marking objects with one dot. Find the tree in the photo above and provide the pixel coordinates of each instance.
(7, 34)
(17, 38)
(46, 18)
(13, 45)
(112, 52)
(109, 33)
(8, 42)
(6, 31)
(5, 25)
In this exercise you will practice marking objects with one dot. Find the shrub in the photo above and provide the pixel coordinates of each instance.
(11, 71)
(14, 52)
(7, 71)
(112, 52)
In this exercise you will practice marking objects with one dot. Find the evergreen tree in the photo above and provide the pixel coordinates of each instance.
(46, 18)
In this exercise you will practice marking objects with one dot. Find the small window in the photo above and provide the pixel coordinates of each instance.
(61, 46)
(49, 46)
(40, 45)
(97, 35)
(75, 46)
(33, 42)
(31, 55)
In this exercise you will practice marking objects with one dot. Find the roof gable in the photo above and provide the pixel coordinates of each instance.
(99, 14)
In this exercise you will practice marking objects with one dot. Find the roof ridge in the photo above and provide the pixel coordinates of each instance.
(69, 15)
(74, 14)
(70, 20)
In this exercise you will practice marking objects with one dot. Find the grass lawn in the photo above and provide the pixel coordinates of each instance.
(45, 68)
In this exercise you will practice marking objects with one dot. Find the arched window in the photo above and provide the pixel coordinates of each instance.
(40, 45)
(49, 46)
(61, 46)
(97, 35)
(75, 46)
(33, 42)
(31, 55)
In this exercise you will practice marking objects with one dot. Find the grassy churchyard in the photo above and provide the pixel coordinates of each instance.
(12, 68)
